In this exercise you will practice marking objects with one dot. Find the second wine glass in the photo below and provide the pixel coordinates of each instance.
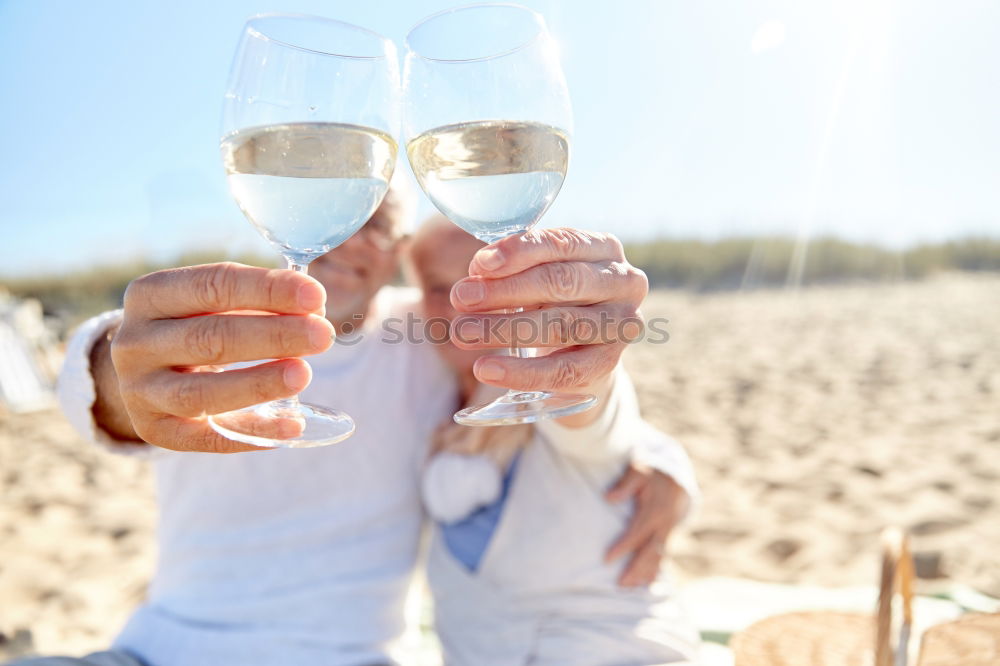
(487, 123)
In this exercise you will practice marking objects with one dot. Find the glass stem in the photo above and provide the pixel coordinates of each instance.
(291, 403)
(517, 352)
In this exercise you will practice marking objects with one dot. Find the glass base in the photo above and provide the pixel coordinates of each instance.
(525, 407)
(276, 425)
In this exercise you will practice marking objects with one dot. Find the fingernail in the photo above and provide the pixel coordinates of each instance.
(470, 330)
(296, 376)
(311, 297)
(631, 332)
(470, 293)
(489, 258)
(320, 334)
(490, 371)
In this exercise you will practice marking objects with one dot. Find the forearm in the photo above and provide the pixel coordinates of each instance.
(602, 391)
(109, 410)
(603, 433)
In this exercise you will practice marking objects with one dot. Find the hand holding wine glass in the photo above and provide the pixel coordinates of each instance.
(580, 299)
(488, 124)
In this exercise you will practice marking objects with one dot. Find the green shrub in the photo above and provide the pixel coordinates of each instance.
(730, 263)
(734, 263)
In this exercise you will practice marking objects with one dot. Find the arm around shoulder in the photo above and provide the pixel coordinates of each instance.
(656, 450)
(618, 432)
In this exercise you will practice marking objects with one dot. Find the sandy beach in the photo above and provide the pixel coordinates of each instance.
(76, 537)
(814, 419)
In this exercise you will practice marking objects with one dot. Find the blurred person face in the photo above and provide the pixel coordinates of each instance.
(353, 272)
(440, 257)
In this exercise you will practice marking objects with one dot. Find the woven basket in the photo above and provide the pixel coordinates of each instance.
(852, 639)
(806, 639)
(972, 640)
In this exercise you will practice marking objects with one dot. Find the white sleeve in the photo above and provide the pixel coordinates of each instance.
(610, 436)
(454, 485)
(76, 391)
(620, 434)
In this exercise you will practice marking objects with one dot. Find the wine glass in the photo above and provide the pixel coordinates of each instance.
(309, 117)
(487, 124)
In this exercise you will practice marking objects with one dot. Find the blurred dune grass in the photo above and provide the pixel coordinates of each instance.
(697, 265)
(747, 262)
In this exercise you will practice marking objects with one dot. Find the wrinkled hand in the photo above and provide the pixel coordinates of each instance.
(580, 297)
(180, 324)
(659, 505)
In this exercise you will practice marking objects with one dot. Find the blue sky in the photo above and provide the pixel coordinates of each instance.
(872, 119)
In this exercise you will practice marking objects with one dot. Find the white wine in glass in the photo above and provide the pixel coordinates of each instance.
(303, 185)
(487, 122)
(493, 178)
(308, 124)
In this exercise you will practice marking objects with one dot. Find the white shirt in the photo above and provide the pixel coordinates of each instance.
(295, 556)
(292, 556)
(542, 577)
